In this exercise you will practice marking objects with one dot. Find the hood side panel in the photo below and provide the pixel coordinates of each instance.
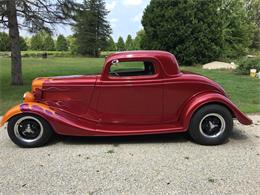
(71, 94)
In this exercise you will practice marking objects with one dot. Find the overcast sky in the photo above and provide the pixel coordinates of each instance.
(124, 17)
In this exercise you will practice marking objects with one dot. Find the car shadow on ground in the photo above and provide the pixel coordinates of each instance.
(236, 134)
(116, 140)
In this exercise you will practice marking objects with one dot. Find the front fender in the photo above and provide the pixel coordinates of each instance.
(30, 107)
(209, 98)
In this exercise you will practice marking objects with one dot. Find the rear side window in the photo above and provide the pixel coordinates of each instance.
(135, 68)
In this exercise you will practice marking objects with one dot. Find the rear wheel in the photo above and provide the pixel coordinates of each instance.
(28, 130)
(211, 125)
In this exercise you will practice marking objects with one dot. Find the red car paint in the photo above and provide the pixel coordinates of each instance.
(103, 105)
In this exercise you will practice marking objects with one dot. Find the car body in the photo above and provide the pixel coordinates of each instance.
(161, 99)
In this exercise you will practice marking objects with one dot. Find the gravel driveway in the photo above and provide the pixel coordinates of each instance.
(164, 164)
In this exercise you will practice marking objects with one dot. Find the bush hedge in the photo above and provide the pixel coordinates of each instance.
(249, 63)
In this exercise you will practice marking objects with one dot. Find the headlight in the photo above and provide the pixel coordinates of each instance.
(28, 97)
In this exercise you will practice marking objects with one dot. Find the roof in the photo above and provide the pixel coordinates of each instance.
(168, 60)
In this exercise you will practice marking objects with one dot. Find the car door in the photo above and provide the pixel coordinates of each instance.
(131, 95)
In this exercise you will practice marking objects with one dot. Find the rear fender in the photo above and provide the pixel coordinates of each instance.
(211, 98)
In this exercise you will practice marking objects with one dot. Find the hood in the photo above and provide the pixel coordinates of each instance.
(41, 82)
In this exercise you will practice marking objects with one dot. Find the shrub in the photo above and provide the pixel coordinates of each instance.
(249, 63)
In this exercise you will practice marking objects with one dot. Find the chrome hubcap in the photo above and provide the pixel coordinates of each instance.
(212, 125)
(28, 129)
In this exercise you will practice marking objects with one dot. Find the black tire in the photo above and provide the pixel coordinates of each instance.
(211, 125)
(29, 130)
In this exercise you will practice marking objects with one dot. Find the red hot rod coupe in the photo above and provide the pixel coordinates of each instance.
(138, 92)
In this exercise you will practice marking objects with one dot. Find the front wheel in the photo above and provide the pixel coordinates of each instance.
(211, 125)
(28, 130)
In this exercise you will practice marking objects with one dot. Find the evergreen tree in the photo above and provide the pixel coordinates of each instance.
(61, 44)
(237, 29)
(48, 42)
(33, 16)
(42, 41)
(192, 30)
(72, 44)
(111, 46)
(129, 43)
(253, 12)
(196, 31)
(28, 42)
(92, 28)
(120, 44)
(36, 42)
(23, 44)
(138, 39)
(4, 42)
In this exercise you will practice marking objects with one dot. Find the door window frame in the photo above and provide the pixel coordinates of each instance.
(157, 67)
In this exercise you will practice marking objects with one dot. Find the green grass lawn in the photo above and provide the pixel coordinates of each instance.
(243, 90)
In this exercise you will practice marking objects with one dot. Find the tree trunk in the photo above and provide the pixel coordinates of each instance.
(16, 68)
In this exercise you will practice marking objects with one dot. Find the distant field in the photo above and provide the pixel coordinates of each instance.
(243, 90)
(34, 53)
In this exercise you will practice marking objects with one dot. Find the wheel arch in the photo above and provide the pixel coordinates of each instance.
(33, 114)
(216, 103)
(202, 100)
(31, 108)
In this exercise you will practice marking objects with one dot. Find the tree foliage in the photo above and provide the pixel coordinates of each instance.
(253, 11)
(23, 44)
(120, 44)
(42, 41)
(138, 42)
(33, 16)
(36, 42)
(4, 42)
(129, 43)
(72, 44)
(92, 28)
(196, 31)
(111, 46)
(61, 44)
(237, 28)
(48, 42)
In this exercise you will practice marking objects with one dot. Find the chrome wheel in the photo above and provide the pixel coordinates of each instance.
(212, 125)
(28, 129)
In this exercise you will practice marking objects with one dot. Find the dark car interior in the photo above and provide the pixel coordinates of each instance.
(146, 68)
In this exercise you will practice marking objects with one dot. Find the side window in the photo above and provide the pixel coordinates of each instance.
(135, 68)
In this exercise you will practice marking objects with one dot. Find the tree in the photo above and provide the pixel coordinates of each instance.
(138, 40)
(129, 43)
(42, 41)
(72, 44)
(237, 28)
(23, 44)
(37, 42)
(48, 42)
(92, 29)
(196, 31)
(253, 11)
(61, 44)
(120, 44)
(192, 30)
(111, 46)
(4, 42)
(33, 16)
